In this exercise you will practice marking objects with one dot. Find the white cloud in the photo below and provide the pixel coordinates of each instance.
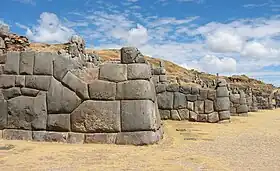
(213, 64)
(258, 50)
(137, 36)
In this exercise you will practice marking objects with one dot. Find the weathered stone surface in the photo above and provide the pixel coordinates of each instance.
(165, 100)
(101, 138)
(7, 81)
(102, 90)
(184, 114)
(3, 58)
(159, 71)
(213, 117)
(20, 81)
(75, 138)
(242, 101)
(50, 136)
(190, 106)
(96, 116)
(222, 92)
(209, 106)
(242, 109)
(13, 134)
(222, 104)
(28, 112)
(11, 92)
(193, 116)
(63, 64)
(43, 63)
(160, 88)
(194, 90)
(3, 112)
(202, 117)
(58, 122)
(131, 55)
(221, 82)
(137, 115)
(172, 87)
(113, 72)
(199, 106)
(26, 62)
(138, 138)
(175, 115)
(138, 71)
(224, 115)
(179, 101)
(2, 43)
(135, 90)
(185, 89)
(76, 85)
(234, 98)
(60, 99)
(203, 94)
(165, 114)
(40, 82)
(155, 79)
(191, 97)
(29, 92)
(211, 94)
(233, 111)
(163, 78)
(1, 69)
(12, 63)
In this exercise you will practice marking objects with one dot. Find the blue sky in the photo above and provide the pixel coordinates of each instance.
(229, 37)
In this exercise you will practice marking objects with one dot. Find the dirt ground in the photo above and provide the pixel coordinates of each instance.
(247, 143)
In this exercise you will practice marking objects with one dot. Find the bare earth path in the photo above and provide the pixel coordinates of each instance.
(251, 143)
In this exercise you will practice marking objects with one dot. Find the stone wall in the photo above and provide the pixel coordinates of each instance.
(41, 99)
(238, 103)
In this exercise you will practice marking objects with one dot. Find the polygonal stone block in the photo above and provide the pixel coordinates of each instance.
(213, 117)
(13, 134)
(113, 72)
(39, 82)
(58, 122)
(12, 63)
(75, 138)
(165, 100)
(138, 71)
(102, 90)
(175, 115)
(184, 114)
(7, 81)
(101, 138)
(43, 63)
(20, 81)
(26, 63)
(131, 55)
(199, 107)
(224, 115)
(138, 138)
(179, 101)
(222, 104)
(209, 106)
(165, 114)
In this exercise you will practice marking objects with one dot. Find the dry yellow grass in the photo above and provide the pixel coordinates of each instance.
(247, 143)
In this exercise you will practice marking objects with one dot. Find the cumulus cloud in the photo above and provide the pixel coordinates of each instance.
(137, 36)
(212, 64)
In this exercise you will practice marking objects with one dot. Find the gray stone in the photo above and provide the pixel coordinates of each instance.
(135, 90)
(234, 98)
(7, 81)
(3, 58)
(209, 106)
(190, 106)
(224, 115)
(175, 115)
(165, 114)
(60, 99)
(242, 101)
(138, 71)
(39, 82)
(11, 92)
(233, 111)
(221, 82)
(58, 122)
(193, 116)
(222, 104)
(96, 117)
(199, 107)
(101, 138)
(138, 138)
(20, 81)
(202, 94)
(3, 113)
(165, 100)
(155, 79)
(2, 43)
(26, 62)
(191, 97)
(185, 89)
(211, 94)
(13, 134)
(50, 136)
(159, 71)
(160, 88)
(63, 64)
(43, 63)
(12, 63)
(131, 55)
(1, 69)
(222, 92)
(202, 117)
(163, 78)
(75, 138)
(179, 101)
(76, 85)
(137, 115)
(194, 90)
(113, 72)
(184, 114)
(242, 109)
(213, 117)
(102, 90)
(29, 92)
(172, 87)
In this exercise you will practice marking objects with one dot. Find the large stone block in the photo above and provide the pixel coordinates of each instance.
(202, 117)
(3, 58)
(211, 94)
(3, 113)
(29, 92)
(194, 90)
(193, 116)
(102, 90)
(179, 101)
(209, 106)
(39, 82)
(76, 85)
(113, 72)
(159, 71)
(60, 99)
(135, 90)
(138, 115)
(58, 122)
(131, 55)
(199, 106)
(13, 134)
(175, 115)
(50, 136)
(190, 106)
(165, 100)
(75, 138)
(11, 92)
(234, 98)
(138, 138)
(222, 92)
(12, 63)
(213, 117)
(242, 101)
(96, 117)
(26, 62)
(28, 112)
(233, 111)
(165, 114)
(185, 89)
(160, 88)
(155, 79)
(7, 81)
(20, 81)
(184, 114)
(43, 63)
(222, 104)
(138, 71)
(203, 94)
(163, 78)
(101, 138)
(173, 87)
(242, 109)
(224, 115)
(191, 97)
